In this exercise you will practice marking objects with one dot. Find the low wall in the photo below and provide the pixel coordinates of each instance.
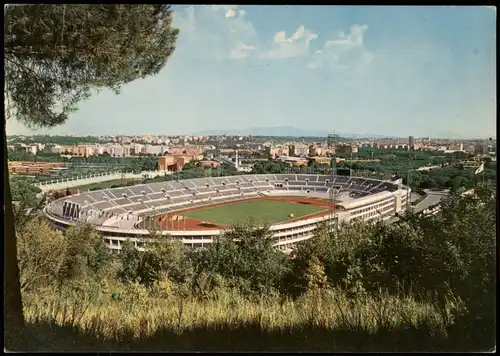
(86, 180)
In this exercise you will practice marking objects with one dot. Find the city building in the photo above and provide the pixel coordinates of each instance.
(293, 161)
(175, 162)
(21, 147)
(480, 149)
(182, 150)
(34, 168)
(276, 151)
(346, 149)
(321, 160)
(298, 150)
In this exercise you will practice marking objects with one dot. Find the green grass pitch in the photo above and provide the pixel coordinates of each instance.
(260, 210)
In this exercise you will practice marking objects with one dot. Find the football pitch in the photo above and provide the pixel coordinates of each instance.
(262, 211)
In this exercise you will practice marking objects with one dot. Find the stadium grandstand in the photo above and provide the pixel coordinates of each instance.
(123, 213)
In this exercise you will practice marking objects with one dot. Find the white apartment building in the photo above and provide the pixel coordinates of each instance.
(136, 149)
(32, 149)
(155, 150)
(116, 151)
(52, 148)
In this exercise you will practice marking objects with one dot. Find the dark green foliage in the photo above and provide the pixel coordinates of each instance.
(26, 204)
(164, 257)
(269, 167)
(130, 260)
(295, 282)
(246, 258)
(206, 284)
(86, 254)
(58, 140)
(59, 53)
(98, 257)
(23, 191)
(445, 257)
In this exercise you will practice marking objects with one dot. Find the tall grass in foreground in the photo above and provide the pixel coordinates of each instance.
(140, 321)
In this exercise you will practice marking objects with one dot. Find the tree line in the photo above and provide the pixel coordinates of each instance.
(449, 175)
(57, 140)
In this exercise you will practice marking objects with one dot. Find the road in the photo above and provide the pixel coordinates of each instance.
(433, 198)
(428, 168)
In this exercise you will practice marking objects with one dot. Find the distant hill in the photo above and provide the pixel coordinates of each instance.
(288, 131)
(267, 131)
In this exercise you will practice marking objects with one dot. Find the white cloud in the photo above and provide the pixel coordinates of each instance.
(222, 32)
(230, 13)
(297, 45)
(344, 51)
(241, 51)
(214, 32)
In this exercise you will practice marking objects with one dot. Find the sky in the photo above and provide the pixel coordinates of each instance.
(398, 71)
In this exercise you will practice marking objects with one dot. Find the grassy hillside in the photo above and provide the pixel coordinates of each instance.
(421, 284)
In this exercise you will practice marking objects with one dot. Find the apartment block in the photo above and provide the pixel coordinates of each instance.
(298, 150)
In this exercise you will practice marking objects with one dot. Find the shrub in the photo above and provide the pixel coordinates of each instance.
(130, 260)
(164, 256)
(41, 254)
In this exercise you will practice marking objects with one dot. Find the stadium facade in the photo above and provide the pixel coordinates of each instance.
(117, 213)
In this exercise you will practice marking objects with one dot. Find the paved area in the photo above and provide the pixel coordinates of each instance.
(414, 196)
(433, 198)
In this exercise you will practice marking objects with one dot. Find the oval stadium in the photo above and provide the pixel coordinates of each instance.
(197, 210)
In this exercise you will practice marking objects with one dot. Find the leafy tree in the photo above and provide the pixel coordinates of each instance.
(58, 140)
(467, 227)
(27, 205)
(401, 252)
(458, 255)
(85, 253)
(268, 167)
(190, 165)
(21, 156)
(246, 258)
(295, 281)
(98, 257)
(41, 253)
(164, 257)
(345, 255)
(130, 260)
(54, 56)
(206, 284)
(315, 275)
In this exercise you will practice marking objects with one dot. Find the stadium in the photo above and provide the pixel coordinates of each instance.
(197, 210)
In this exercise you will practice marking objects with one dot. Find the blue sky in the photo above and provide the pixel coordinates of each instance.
(422, 71)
